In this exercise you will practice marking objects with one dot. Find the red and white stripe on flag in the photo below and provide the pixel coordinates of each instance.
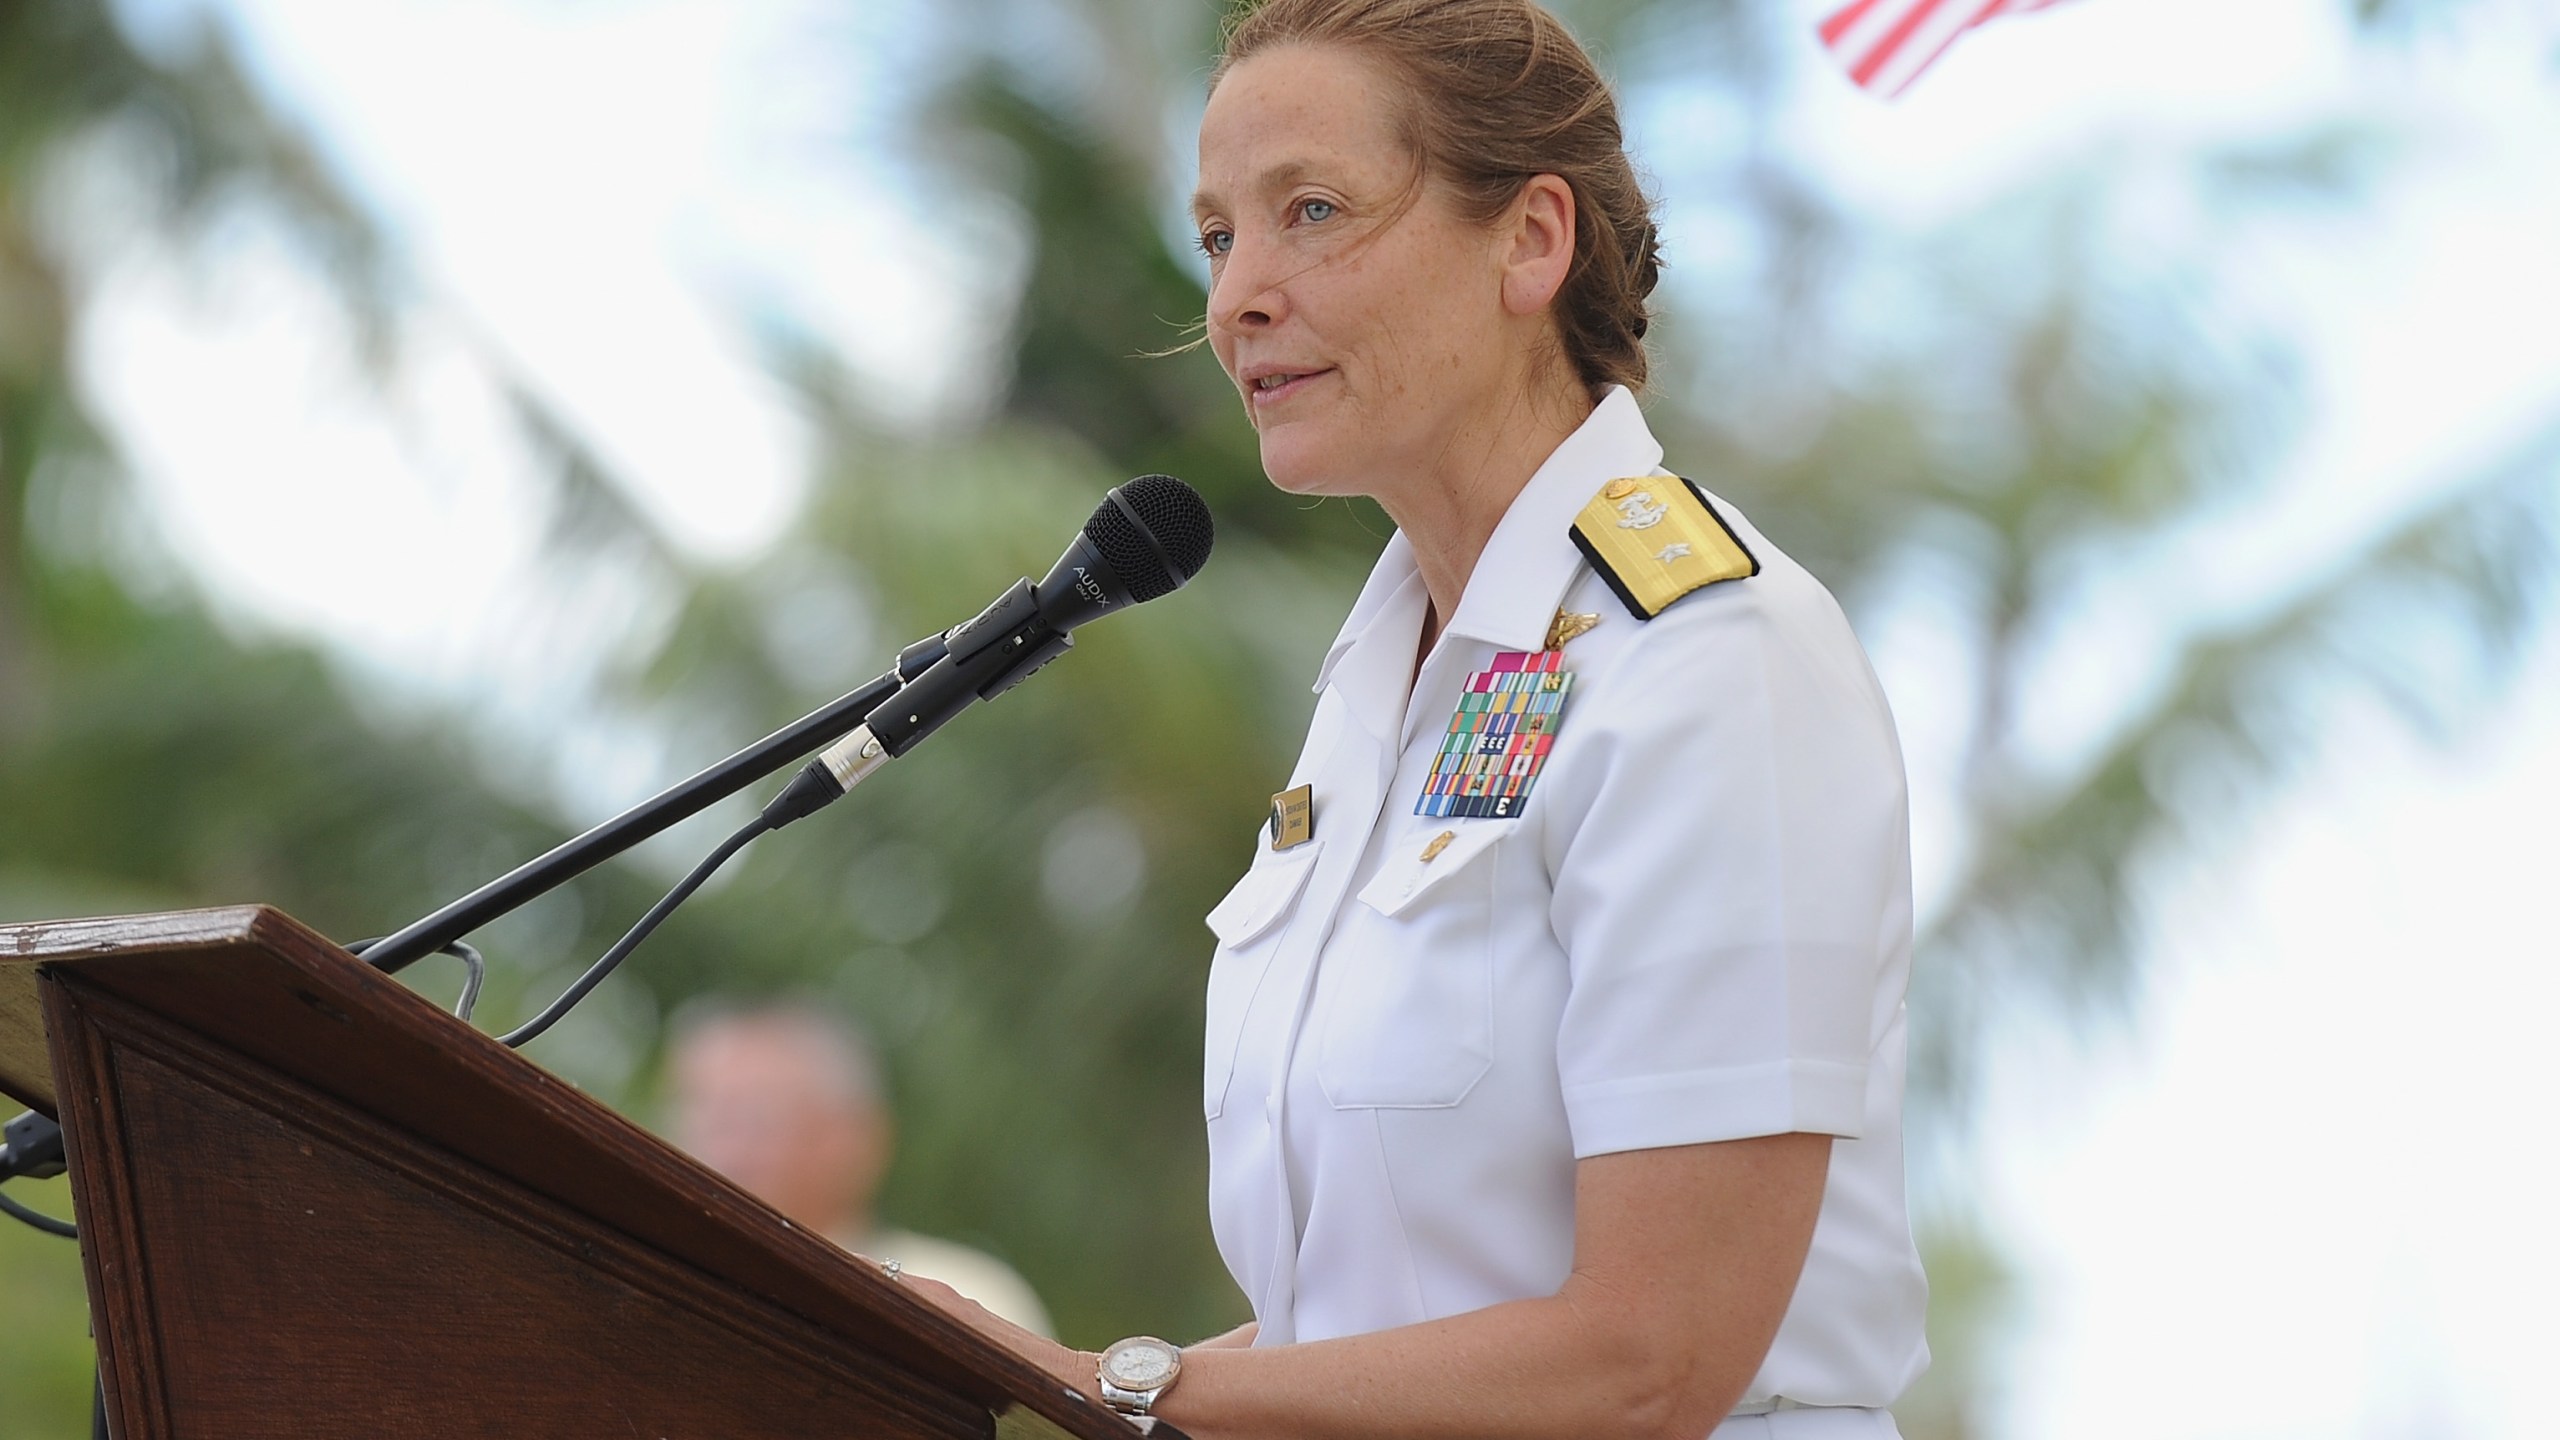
(1887, 43)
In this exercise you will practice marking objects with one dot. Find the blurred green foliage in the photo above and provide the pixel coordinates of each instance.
(1015, 909)
(46, 1365)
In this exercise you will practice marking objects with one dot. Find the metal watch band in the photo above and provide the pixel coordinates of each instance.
(1137, 1404)
(1128, 1402)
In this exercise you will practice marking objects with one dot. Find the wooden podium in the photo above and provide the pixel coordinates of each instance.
(313, 1204)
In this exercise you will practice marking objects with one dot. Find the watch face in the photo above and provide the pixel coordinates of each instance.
(1139, 1364)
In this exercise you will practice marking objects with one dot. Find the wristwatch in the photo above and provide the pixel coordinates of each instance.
(1137, 1371)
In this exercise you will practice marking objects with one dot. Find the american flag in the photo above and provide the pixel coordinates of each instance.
(1887, 43)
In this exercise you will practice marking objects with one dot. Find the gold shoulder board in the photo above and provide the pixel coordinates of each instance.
(1654, 538)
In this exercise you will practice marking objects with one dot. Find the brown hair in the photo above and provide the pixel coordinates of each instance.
(1502, 93)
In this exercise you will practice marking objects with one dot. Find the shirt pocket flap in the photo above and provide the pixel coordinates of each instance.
(1407, 876)
(1262, 896)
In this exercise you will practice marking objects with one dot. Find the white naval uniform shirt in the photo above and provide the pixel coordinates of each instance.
(1698, 929)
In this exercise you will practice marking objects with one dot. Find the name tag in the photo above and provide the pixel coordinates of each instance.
(1293, 817)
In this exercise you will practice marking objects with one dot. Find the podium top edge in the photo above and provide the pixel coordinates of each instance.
(99, 936)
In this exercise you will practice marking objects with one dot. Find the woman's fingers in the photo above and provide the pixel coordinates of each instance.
(1072, 1367)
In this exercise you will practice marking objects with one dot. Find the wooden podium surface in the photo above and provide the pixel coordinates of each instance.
(314, 1204)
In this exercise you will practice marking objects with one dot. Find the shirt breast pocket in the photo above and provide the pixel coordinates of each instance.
(1408, 1010)
(1249, 924)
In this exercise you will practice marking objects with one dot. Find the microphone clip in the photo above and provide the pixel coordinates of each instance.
(983, 657)
(31, 1146)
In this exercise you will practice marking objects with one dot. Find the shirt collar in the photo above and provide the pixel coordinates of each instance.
(1530, 560)
(1371, 661)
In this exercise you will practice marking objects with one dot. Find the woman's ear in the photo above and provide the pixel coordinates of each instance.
(1539, 249)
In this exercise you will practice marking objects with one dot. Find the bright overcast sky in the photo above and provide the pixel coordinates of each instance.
(2292, 1203)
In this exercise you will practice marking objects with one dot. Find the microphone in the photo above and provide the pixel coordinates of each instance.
(1146, 539)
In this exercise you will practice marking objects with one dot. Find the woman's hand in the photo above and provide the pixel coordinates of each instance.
(1074, 1369)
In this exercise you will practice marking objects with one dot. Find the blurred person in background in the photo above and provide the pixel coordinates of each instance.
(786, 1100)
(1560, 1096)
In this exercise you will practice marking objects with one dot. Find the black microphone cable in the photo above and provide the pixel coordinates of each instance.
(801, 797)
(38, 1219)
(631, 939)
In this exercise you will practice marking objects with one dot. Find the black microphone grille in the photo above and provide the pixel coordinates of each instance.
(1155, 532)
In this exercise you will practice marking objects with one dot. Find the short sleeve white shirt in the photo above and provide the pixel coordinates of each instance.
(1697, 929)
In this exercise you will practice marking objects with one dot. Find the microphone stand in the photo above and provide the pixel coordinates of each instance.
(681, 801)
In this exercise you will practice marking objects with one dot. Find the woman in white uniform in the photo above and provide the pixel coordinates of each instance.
(1554, 1062)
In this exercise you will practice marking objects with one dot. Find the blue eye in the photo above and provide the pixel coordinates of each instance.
(1316, 211)
(1216, 243)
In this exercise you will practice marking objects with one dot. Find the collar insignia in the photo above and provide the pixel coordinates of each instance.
(1569, 626)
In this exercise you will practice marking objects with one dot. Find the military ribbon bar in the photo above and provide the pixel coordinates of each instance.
(1499, 738)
